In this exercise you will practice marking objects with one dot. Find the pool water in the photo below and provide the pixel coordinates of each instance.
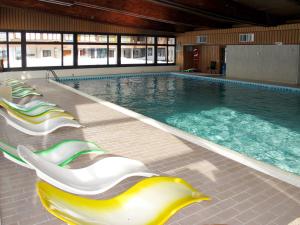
(259, 123)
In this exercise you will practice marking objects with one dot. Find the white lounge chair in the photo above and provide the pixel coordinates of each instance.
(41, 128)
(60, 154)
(94, 179)
(28, 106)
(151, 201)
(25, 93)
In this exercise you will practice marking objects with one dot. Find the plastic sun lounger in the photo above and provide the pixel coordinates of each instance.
(16, 85)
(43, 109)
(94, 179)
(151, 201)
(30, 106)
(40, 129)
(21, 89)
(60, 154)
(25, 93)
(35, 119)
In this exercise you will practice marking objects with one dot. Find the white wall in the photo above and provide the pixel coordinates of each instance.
(87, 71)
(274, 63)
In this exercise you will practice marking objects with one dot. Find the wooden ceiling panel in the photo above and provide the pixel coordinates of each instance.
(162, 15)
(95, 15)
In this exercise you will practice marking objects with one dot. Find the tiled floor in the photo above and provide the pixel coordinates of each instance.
(240, 195)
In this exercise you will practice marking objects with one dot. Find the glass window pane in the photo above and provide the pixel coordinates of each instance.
(15, 56)
(162, 54)
(133, 39)
(133, 54)
(150, 40)
(2, 36)
(92, 55)
(113, 53)
(171, 41)
(161, 40)
(101, 38)
(91, 38)
(43, 55)
(68, 55)
(150, 54)
(171, 54)
(68, 38)
(3, 54)
(113, 39)
(14, 36)
(43, 37)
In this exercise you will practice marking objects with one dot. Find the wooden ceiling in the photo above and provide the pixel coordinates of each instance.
(169, 15)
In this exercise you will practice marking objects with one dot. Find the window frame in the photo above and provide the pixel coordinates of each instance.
(250, 37)
(75, 49)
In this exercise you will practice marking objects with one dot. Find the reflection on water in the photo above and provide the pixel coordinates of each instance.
(260, 123)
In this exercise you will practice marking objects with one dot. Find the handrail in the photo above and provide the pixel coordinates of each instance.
(49, 72)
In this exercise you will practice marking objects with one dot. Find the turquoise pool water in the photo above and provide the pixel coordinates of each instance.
(256, 122)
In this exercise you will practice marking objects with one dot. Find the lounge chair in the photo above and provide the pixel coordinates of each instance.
(32, 105)
(36, 110)
(151, 201)
(60, 154)
(35, 119)
(25, 93)
(21, 89)
(94, 179)
(40, 129)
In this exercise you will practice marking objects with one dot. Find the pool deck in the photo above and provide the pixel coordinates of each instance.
(240, 195)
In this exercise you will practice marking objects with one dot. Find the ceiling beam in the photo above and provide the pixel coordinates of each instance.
(223, 10)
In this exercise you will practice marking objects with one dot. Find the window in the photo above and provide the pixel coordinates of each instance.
(113, 55)
(150, 40)
(15, 56)
(92, 38)
(166, 50)
(46, 53)
(68, 55)
(3, 36)
(43, 37)
(14, 36)
(10, 49)
(247, 37)
(21, 49)
(171, 41)
(162, 54)
(162, 40)
(201, 39)
(150, 54)
(39, 55)
(69, 38)
(133, 54)
(68, 50)
(14, 50)
(3, 54)
(113, 39)
(45, 49)
(92, 54)
(133, 39)
(171, 54)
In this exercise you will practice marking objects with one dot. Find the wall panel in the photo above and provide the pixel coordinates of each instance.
(287, 34)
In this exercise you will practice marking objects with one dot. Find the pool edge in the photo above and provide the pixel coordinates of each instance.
(265, 168)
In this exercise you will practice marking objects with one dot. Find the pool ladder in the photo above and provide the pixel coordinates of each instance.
(51, 72)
